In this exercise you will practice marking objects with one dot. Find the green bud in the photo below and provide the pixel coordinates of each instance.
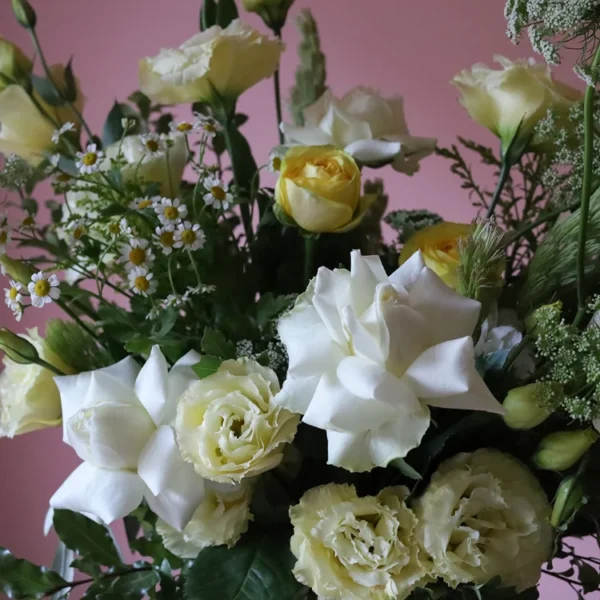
(569, 499)
(17, 348)
(531, 320)
(561, 450)
(272, 12)
(16, 269)
(24, 13)
(15, 66)
(523, 407)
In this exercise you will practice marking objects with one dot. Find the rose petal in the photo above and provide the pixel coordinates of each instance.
(348, 450)
(373, 152)
(332, 293)
(405, 276)
(151, 386)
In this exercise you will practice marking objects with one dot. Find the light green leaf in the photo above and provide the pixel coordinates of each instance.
(215, 344)
(207, 366)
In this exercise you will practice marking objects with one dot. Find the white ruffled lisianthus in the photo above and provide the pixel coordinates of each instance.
(352, 548)
(118, 420)
(485, 515)
(228, 424)
(221, 518)
(368, 354)
(366, 125)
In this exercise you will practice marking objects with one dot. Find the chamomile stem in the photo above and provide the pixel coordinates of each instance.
(277, 86)
(504, 171)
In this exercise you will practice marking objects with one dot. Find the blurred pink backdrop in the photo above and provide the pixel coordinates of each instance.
(399, 47)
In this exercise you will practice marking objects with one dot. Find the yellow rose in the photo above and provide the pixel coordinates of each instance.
(439, 247)
(319, 188)
(272, 12)
(14, 65)
(520, 93)
(29, 398)
(221, 518)
(226, 61)
(228, 425)
(484, 515)
(352, 548)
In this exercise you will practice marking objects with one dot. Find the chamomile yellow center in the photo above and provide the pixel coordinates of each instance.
(114, 228)
(188, 236)
(218, 192)
(89, 159)
(209, 128)
(141, 283)
(144, 204)
(152, 145)
(28, 222)
(171, 213)
(42, 288)
(184, 127)
(3, 237)
(276, 162)
(13, 293)
(137, 256)
(166, 239)
(78, 232)
(63, 178)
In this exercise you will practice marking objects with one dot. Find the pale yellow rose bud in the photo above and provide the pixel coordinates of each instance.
(24, 13)
(18, 349)
(319, 189)
(560, 450)
(15, 66)
(514, 98)
(439, 247)
(272, 12)
(523, 406)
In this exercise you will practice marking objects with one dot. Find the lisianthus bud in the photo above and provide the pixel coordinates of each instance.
(18, 349)
(531, 321)
(24, 13)
(272, 12)
(15, 66)
(569, 498)
(16, 269)
(560, 450)
(524, 409)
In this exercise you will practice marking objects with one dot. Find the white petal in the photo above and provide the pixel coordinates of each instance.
(297, 393)
(318, 109)
(307, 136)
(366, 273)
(373, 152)
(364, 343)
(332, 293)
(348, 450)
(343, 127)
(442, 370)
(151, 385)
(180, 378)
(106, 493)
(407, 274)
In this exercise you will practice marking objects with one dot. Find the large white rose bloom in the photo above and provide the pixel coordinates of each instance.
(118, 420)
(485, 515)
(366, 125)
(352, 548)
(221, 518)
(368, 354)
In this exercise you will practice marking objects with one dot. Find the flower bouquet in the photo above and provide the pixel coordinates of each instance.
(278, 402)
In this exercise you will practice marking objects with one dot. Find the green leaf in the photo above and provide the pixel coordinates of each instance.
(142, 102)
(589, 577)
(208, 14)
(215, 344)
(130, 585)
(259, 567)
(406, 469)
(113, 127)
(226, 12)
(242, 158)
(86, 537)
(270, 306)
(20, 578)
(47, 90)
(154, 549)
(87, 565)
(162, 123)
(207, 366)
(70, 89)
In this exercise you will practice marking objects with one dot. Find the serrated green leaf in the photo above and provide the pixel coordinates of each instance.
(86, 537)
(215, 344)
(20, 578)
(207, 366)
(270, 306)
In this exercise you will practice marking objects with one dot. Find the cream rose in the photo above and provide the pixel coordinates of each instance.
(221, 518)
(485, 515)
(29, 398)
(520, 93)
(355, 548)
(366, 125)
(226, 61)
(228, 425)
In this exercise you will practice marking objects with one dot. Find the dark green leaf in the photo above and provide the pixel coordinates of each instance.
(20, 578)
(226, 12)
(207, 366)
(56, 210)
(47, 90)
(208, 14)
(218, 143)
(87, 565)
(589, 577)
(113, 126)
(113, 210)
(86, 537)
(270, 306)
(215, 344)
(242, 157)
(129, 585)
(30, 206)
(155, 550)
(162, 123)
(70, 89)
(406, 469)
(259, 567)
(142, 102)
(240, 119)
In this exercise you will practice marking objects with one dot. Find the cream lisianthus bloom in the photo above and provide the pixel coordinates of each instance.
(221, 518)
(366, 125)
(228, 425)
(118, 420)
(352, 548)
(484, 515)
(368, 355)
(29, 398)
(518, 95)
(222, 61)
(319, 187)
(14, 64)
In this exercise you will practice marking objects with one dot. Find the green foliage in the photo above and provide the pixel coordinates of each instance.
(408, 222)
(220, 13)
(113, 129)
(47, 90)
(214, 343)
(207, 366)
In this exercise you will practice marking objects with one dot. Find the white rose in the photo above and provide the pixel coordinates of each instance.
(352, 548)
(29, 398)
(369, 353)
(228, 424)
(369, 127)
(226, 61)
(221, 518)
(485, 515)
(118, 420)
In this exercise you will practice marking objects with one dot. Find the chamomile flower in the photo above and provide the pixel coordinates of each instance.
(17, 311)
(114, 230)
(62, 182)
(207, 125)
(189, 236)
(142, 281)
(154, 312)
(175, 301)
(43, 288)
(77, 230)
(12, 295)
(142, 203)
(5, 236)
(165, 238)
(63, 129)
(217, 195)
(154, 144)
(170, 212)
(54, 160)
(275, 158)
(184, 127)
(125, 228)
(89, 161)
(136, 254)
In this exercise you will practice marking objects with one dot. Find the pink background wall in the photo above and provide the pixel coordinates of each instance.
(399, 46)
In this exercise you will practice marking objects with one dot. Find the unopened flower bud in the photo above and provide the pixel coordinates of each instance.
(16, 269)
(24, 13)
(272, 12)
(523, 406)
(15, 66)
(560, 450)
(18, 349)
(569, 499)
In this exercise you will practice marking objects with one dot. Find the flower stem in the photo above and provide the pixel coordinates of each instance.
(504, 171)
(310, 243)
(277, 85)
(42, 363)
(586, 188)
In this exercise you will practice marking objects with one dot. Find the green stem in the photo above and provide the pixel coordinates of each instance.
(504, 171)
(81, 324)
(586, 188)
(47, 365)
(73, 584)
(310, 243)
(277, 85)
(195, 267)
